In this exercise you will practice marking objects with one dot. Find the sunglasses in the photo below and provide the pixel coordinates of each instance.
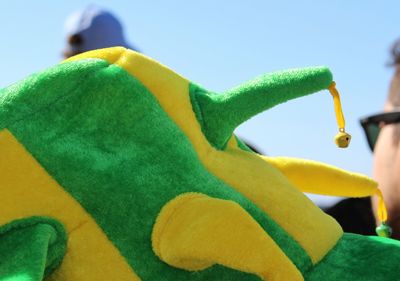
(372, 125)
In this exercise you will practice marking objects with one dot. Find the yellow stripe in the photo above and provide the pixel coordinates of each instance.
(246, 172)
(27, 190)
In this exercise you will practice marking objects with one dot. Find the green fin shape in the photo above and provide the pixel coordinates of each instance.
(220, 114)
(31, 248)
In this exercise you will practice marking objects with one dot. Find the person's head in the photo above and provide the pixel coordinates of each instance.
(92, 28)
(383, 134)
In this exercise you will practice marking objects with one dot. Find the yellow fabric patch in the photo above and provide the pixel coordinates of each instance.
(195, 231)
(27, 190)
(259, 181)
(314, 177)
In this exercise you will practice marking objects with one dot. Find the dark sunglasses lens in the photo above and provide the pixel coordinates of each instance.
(372, 128)
(372, 131)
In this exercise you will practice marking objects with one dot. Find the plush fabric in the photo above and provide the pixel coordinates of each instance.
(366, 258)
(328, 180)
(220, 114)
(88, 246)
(187, 234)
(231, 165)
(100, 150)
(122, 140)
(31, 248)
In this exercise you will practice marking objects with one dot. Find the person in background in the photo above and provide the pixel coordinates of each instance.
(93, 28)
(383, 135)
(354, 215)
(382, 131)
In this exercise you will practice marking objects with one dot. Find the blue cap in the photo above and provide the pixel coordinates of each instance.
(93, 28)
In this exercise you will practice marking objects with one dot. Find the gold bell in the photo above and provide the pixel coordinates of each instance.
(342, 139)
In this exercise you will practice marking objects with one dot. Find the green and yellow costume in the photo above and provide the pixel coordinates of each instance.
(113, 167)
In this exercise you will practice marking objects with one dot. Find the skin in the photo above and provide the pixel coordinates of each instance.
(386, 163)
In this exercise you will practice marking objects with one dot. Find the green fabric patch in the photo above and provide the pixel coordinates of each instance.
(220, 114)
(31, 248)
(103, 136)
(361, 258)
(39, 91)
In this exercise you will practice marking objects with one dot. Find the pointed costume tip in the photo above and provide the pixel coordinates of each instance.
(219, 115)
(320, 76)
(326, 76)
